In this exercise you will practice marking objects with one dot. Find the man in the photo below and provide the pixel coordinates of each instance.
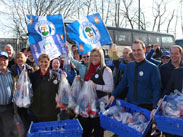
(165, 57)
(167, 68)
(7, 127)
(117, 73)
(142, 78)
(157, 52)
(125, 53)
(9, 49)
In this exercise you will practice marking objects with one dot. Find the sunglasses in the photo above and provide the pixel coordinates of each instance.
(85, 56)
(166, 58)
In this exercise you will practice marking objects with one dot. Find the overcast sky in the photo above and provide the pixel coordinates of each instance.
(146, 5)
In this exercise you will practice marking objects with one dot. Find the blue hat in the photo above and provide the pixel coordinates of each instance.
(165, 54)
(5, 54)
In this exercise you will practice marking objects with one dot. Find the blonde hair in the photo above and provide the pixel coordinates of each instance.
(22, 55)
(44, 55)
(101, 55)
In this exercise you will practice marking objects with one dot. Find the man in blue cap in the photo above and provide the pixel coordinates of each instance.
(7, 127)
(165, 58)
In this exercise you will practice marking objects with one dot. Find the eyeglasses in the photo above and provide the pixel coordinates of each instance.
(85, 56)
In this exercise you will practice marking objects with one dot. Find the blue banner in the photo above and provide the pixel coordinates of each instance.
(88, 33)
(51, 45)
(40, 27)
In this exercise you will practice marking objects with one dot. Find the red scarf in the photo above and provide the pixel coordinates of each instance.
(91, 71)
(41, 74)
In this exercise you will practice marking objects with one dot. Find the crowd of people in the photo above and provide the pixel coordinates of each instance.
(142, 77)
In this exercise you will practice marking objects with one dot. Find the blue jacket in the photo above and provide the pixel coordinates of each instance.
(151, 59)
(148, 87)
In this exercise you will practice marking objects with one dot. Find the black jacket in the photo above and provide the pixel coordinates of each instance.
(176, 81)
(166, 72)
(44, 93)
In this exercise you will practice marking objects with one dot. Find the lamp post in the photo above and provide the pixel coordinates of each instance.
(18, 41)
(139, 16)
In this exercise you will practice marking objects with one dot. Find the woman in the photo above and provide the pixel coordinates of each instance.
(45, 86)
(81, 66)
(20, 64)
(55, 65)
(101, 75)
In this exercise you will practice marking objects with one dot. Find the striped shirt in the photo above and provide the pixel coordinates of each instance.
(6, 88)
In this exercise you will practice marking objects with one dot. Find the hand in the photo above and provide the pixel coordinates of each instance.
(66, 46)
(64, 74)
(155, 47)
(160, 101)
(78, 77)
(111, 99)
(152, 113)
(93, 84)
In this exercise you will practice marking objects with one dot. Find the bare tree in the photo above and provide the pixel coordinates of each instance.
(107, 12)
(126, 11)
(169, 21)
(158, 10)
(18, 9)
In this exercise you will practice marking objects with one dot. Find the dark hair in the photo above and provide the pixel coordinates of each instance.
(75, 52)
(74, 45)
(131, 56)
(28, 49)
(54, 59)
(23, 49)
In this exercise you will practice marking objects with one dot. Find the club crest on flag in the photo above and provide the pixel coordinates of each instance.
(41, 27)
(45, 28)
(52, 45)
(89, 33)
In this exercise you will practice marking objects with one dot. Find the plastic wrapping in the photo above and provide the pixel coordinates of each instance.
(67, 63)
(75, 90)
(23, 93)
(63, 97)
(173, 106)
(87, 104)
(19, 125)
(136, 120)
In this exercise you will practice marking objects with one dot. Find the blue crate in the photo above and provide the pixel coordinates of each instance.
(123, 130)
(168, 125)
(65, 128)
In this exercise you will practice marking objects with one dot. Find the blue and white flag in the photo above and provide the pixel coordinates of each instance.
(88, 33)
(51, 45)
(40, 27)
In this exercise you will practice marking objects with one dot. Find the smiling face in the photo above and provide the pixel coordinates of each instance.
(86, 58)
(44, 64)
(9, 49)
(20, 59)
(95, 58)
(55, 64)
(138, 52)
(175, 55)
(3, 63)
